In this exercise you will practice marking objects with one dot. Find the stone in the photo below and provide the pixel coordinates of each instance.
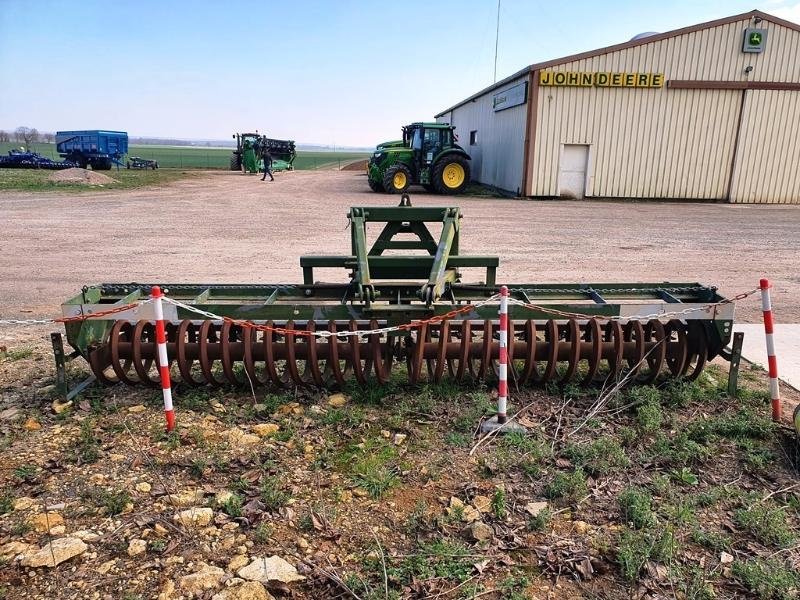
(186, 498)
(270, 570)
(266, 429)
(217, 406)
(399, 438)
(45, 521)
(160, 529)
(470, 514)
(249, 590)
(60, 407)
(14, 550)
(237, 562)
(143, 487)
(168, 591)
(137, 547)
(534, 508)
(337, 400)
(292, 408)
(55, 553)
(222, 497)
(24, 503)
(107, 566)
(206, 578)
(725, 558)
(10, 414)
(47, 390)
(86, 535)
(31, 424)
(194, 518)
(137, 408)
(58, 530)
(482, 504)
(478, 532)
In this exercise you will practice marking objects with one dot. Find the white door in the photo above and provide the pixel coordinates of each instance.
(572, 171)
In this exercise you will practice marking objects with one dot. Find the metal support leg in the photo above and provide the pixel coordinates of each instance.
(61, 365)
(736, 358)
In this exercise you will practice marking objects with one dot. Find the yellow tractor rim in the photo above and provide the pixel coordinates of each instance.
(399, 180)
(453, 175)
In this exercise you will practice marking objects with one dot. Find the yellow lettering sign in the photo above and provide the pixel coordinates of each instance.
(600, 79)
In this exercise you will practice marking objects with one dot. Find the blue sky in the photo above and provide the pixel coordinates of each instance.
(342, 72)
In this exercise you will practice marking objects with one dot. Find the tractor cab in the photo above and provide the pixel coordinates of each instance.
(427, 155)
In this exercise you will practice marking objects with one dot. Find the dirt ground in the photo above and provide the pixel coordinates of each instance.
(222, 227)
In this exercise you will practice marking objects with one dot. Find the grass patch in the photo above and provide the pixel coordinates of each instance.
(766, 523)
(6, 503)
(272, 494)
(711, 540)
(635, 548)
(112, 502)
(568, 486)
(636, 507)
(232, 506)
(599, 457)
(35, 180)
(443, 559)
(17, 353)
(767, 578)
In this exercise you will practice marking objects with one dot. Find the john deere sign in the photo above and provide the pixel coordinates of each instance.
(601, 79)
(754, 40)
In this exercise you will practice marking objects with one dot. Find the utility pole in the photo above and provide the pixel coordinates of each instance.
(496, 40)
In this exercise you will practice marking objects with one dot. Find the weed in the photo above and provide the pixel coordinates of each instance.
(263, 533)
(498, 503)
(712, 496)
(569, 486)
(677, 393)
(157, 545)
(444, 558)
(6, 503)
(680, 450)
(541, 521)
(349, 417)
(25, 473)
(112, 501)
(197, 467)
(21, 527)
(681, 512)
(232, 506)
(417, 520)
(711, 539)
(88, 445)
(684, 476)
(18, 354)
(636, 507)
(661, 485)
(742, 425)
(649, 417)
(766, 523)
(514, 587)
(627, 436)
(600, 456)
(272, 495)
(635, 548)
(694, 583)
(767, 578)
(756, 455)
(374, 476)
(457, 439)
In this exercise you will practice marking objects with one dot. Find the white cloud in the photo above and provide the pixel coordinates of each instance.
(783, 9)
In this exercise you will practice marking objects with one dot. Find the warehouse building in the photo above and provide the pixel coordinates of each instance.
(708, 112)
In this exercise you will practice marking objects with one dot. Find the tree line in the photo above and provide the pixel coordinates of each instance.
(26, 135)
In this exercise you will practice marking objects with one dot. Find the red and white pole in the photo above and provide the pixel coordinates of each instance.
(502, 385)
(769, 329)
(163, 362)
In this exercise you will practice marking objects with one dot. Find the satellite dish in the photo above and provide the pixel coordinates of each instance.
(644, 34)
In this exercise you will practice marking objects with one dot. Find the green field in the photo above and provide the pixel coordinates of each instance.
(191, 157)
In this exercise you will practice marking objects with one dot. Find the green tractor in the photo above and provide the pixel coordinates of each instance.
(427, 155)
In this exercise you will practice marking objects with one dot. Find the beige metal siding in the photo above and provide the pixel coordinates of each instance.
(668, 143)
(767, 167)
(498, 157)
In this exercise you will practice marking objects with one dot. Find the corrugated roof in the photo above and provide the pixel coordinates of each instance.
(623, 46)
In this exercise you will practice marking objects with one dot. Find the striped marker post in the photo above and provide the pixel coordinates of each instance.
(163, 362)
(769, 329)
(502, 385)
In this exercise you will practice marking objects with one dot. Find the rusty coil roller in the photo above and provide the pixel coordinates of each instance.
(539, 353)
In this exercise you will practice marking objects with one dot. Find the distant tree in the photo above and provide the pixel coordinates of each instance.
(28, 135)
(3, 136)
(48, 137)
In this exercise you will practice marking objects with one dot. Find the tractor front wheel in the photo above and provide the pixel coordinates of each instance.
(375, 186)
(236, 165)
(397, 179)
(451, 175)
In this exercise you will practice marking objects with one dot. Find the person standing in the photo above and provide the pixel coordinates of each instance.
(267, 158)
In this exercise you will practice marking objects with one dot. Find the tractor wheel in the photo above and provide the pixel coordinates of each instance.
(375, 186)
(236, 165)
(397, 179)
(451, 174)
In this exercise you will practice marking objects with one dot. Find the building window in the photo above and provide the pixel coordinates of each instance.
(473, 137)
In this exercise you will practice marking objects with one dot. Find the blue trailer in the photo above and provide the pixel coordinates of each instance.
(97, 148)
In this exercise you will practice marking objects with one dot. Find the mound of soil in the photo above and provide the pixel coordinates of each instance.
(81, 176)
(359, 165)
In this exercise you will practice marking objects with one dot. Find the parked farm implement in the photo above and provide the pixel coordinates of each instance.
(20, 159)
(412, 312)
(249, 150)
